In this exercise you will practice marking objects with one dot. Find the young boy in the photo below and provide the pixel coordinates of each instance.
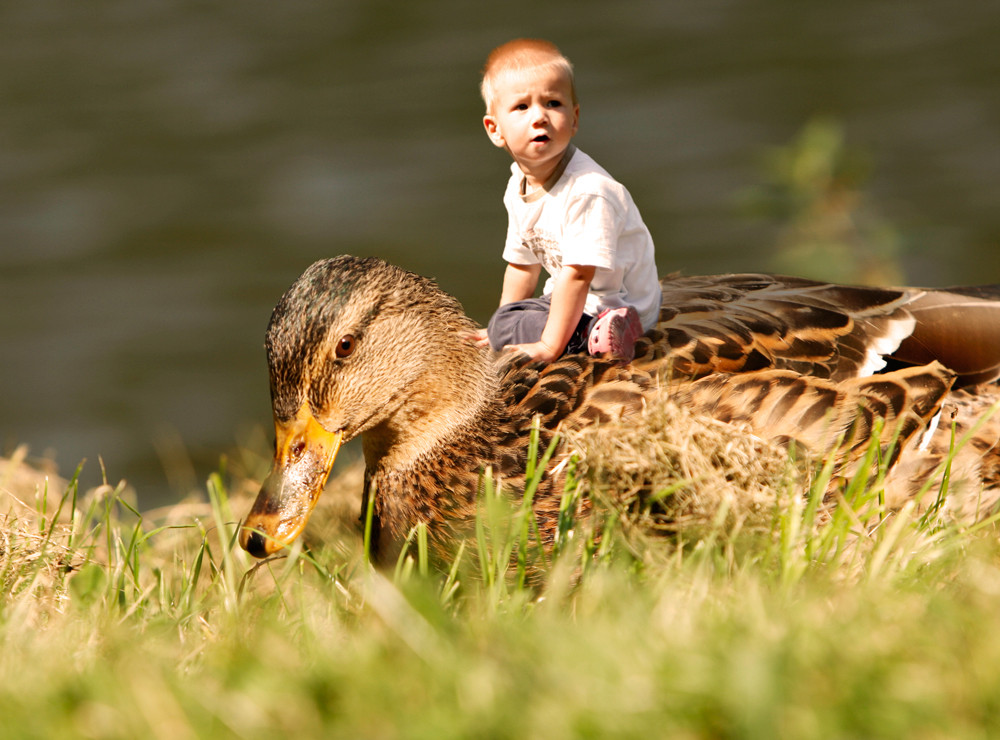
(566, 214)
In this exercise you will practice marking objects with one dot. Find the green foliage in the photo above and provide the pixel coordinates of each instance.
(842, 620)
(813, 189)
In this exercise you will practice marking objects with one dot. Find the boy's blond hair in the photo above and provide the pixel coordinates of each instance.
(519, 55)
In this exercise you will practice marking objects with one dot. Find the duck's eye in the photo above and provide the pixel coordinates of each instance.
(345, 345)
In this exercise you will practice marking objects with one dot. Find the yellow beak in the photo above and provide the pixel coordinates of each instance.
(303, 458)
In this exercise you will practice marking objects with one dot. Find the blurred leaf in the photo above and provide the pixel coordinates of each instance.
(813, 189)
(88, 584)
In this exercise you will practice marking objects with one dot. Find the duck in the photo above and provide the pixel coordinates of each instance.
(358, 347)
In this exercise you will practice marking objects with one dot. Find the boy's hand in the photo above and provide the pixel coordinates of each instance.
(537, 351)
(478, 338)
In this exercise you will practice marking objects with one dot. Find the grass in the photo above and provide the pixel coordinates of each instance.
(782, 618)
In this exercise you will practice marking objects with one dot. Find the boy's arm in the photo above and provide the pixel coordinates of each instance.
(569, 294)
(519, 282)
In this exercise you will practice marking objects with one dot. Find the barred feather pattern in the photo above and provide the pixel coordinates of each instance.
(795, 359)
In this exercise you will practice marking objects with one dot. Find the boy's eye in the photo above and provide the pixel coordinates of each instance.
(554, 103)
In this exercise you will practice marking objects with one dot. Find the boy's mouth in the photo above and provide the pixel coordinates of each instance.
(541, 138)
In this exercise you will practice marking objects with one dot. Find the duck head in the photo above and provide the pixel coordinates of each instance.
(359, 347)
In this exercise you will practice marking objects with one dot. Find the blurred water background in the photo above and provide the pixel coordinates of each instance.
(168, 168)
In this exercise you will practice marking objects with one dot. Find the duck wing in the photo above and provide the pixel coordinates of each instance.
(743, 323)
(822, 414)
(959, 327)
(782, 405)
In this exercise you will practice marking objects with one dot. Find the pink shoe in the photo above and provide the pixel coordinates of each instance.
(615, 332)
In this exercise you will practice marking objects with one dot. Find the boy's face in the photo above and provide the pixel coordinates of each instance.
(534, 118)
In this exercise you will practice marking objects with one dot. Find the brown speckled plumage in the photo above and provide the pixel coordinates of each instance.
(791, 357)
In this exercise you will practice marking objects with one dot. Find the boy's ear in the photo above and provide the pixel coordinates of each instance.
(493, 131)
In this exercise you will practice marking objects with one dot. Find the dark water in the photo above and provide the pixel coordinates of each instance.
(168, 168)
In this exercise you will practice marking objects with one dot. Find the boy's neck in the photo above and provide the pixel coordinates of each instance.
(544, 181)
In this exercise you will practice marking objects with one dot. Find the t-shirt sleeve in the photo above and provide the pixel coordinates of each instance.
(514, 250)
(591, 231)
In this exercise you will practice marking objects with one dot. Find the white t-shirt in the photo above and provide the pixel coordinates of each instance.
(582, 216)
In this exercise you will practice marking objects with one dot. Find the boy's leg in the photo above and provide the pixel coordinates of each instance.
(522, 322)
(518, 322)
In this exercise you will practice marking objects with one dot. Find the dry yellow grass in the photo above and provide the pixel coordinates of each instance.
(691, 465)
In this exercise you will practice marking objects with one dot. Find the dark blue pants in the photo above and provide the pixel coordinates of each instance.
(522, 322)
